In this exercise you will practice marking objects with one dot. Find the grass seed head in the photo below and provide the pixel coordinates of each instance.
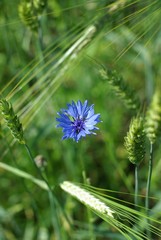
(135, 141)
(153, 118)
(12, 120)
(87, 198)
(29, 12)
(120, 88)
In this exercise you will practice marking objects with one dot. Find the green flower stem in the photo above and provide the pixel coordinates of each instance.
(89, 213)
(33, 203)
(52, 199)
(148, 187)
(136, 186)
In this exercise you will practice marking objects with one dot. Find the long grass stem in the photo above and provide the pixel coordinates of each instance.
(89, 213)
(52, 199)
(33, 201)
(148, 187)
(136, 186)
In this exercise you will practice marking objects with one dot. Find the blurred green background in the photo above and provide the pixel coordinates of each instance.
(128, 39)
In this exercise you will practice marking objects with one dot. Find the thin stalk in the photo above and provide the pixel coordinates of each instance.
(89, 213)
(85, 180)
(33, 203)
(148, 188)
(52, 199)
(136, 186)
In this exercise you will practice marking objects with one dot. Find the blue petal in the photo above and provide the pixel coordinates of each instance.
(79, 108)
(85, 108)
(72, 110)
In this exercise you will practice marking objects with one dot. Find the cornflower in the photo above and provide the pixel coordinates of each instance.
(78, 120)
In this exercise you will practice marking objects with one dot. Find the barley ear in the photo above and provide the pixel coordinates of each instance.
(153, 118)
(135, 141)
(120, 88)
(12, 120)
(87, 198)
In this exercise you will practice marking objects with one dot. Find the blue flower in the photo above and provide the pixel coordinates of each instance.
(78, 120)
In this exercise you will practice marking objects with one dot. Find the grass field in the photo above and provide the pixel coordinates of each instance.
(96, 187)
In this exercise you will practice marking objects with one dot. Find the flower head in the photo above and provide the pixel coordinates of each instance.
(78, 120)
